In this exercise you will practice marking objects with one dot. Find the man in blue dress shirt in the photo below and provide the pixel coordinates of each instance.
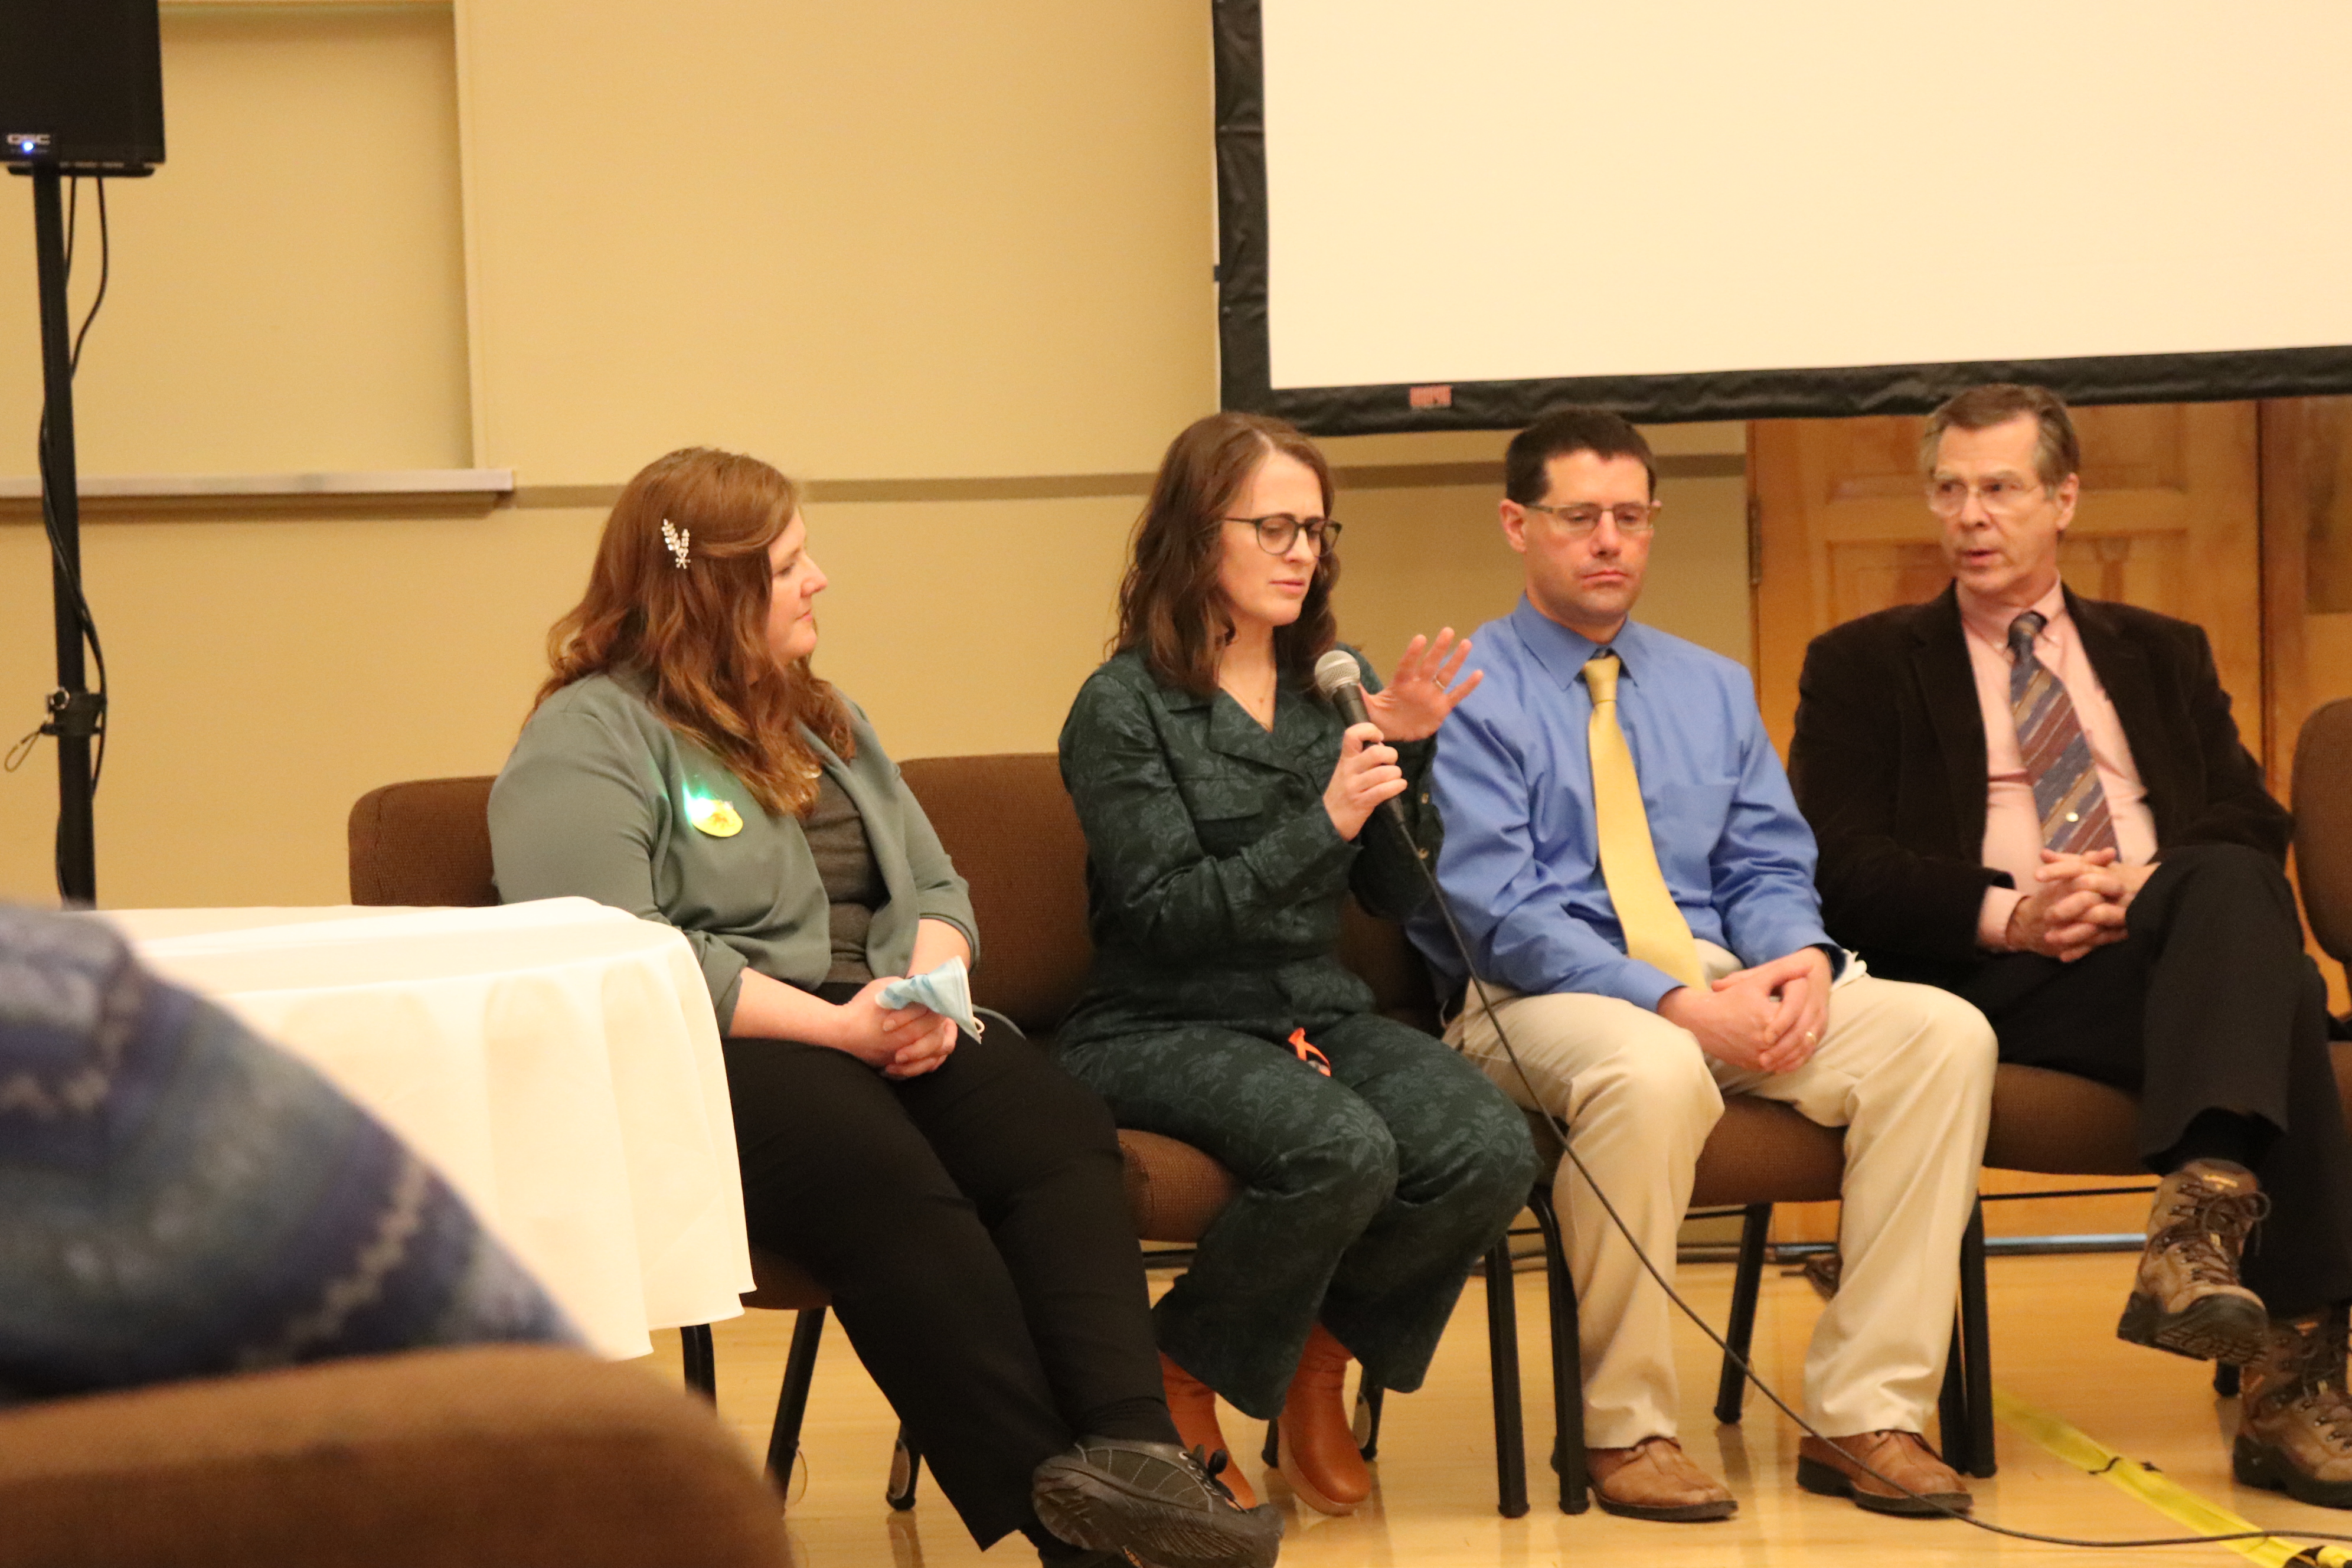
(1636, 886)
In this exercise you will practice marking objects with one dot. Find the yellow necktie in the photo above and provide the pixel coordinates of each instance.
(1655, 931)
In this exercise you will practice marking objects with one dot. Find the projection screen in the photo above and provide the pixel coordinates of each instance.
(1453, 216)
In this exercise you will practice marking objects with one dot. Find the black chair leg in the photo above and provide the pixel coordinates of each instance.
(1503, 1351)
(701, 1360)
(792, 1403)
(1366, 1425)
(1567, 1362)
(1731, 1389)
(2225, 1380)
(1976, 1340)
(905, 1469)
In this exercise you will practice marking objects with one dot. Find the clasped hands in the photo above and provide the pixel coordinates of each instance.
(904, 1042)
(2079, 902)
(1768, 1019)
(1414, 703)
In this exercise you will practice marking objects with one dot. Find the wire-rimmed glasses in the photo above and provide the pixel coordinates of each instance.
(1579, 518)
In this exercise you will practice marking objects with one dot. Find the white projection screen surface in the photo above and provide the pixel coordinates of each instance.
(1454, 214)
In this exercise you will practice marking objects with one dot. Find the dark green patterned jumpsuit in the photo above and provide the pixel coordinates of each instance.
(1214, 882)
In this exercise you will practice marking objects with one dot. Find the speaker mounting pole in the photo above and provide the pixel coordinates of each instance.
(73, 717)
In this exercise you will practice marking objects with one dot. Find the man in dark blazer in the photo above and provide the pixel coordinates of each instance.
(2040, 801)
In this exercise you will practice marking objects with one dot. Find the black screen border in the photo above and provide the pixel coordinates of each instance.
(1245, 362)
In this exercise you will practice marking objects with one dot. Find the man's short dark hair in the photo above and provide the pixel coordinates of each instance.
(2057, 451)
(1561, 432)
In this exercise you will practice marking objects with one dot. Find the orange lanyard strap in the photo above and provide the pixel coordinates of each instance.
(1309, 1054)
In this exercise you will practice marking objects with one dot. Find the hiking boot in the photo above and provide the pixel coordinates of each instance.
(1154, 1501)
(2187, 1298)
(2294, 1425)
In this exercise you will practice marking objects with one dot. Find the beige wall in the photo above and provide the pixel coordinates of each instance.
(891, 247)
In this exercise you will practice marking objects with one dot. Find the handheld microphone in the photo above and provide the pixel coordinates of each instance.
(1341, 682)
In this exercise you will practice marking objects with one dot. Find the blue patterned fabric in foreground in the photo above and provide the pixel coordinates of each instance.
(180, 1198)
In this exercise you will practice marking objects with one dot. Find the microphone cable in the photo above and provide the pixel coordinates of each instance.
(1568, 1152)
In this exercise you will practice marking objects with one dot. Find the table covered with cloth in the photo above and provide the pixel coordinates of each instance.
(557, 1061)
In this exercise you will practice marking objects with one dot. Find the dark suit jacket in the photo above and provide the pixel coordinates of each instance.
(1888, 763)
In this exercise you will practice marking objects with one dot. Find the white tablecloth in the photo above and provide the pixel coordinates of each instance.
(557, 1061)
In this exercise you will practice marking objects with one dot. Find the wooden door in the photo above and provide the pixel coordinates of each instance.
(2168, 518)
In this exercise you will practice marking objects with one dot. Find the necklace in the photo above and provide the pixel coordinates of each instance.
(1259, 703)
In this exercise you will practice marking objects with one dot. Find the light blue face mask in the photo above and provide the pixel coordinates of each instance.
(946, 991)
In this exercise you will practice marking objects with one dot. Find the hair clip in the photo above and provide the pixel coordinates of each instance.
(677, 540)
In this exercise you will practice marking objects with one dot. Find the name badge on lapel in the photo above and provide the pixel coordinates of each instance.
(718, 818)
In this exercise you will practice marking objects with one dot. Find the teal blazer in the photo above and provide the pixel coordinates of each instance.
(1214, 879)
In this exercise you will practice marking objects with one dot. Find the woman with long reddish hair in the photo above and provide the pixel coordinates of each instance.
(1228, 816)
(959, 1198)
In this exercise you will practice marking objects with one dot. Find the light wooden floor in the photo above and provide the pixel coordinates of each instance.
(2054, 1347)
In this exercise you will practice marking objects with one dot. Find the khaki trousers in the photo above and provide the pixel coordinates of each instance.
(1906, 1069)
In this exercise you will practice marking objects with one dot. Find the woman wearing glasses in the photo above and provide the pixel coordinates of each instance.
(1228, 812)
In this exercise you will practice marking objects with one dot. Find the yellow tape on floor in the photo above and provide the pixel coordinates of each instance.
(2154, 1488)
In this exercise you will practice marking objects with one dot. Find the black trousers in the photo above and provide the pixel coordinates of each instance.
(2209, 1004)
(972, 1229)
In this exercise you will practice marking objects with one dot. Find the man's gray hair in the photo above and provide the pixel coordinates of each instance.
(2057, 451)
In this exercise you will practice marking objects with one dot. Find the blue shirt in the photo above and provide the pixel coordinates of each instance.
(1521, 863)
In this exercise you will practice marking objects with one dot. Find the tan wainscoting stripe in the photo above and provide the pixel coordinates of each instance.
(1063, 487)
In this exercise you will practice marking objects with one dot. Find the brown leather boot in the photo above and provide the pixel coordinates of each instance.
(1193, 1403)
(2294, 1425)
(2187, 1298)
(1317, 1453)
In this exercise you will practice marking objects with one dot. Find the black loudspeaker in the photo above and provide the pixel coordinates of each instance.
(81, 85)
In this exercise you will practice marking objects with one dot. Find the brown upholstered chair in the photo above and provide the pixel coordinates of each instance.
(426, 842)
(2323, 825)
(1010, 828)
(526, 1457)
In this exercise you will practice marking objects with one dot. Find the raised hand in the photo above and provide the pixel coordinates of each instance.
(1421, 692)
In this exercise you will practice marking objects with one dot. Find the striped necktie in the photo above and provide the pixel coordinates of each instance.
(2066, 793)
(1655, 931)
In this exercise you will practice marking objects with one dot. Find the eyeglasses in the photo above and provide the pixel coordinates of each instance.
(1277, 532)
(2002, 498)
(1632, 517)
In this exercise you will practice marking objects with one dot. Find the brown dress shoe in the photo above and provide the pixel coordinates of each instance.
(1317, 1450)
(2187, 1298)
(1656, 1480)
(1193, 1403)
(2295, 1428)
(1924, 1486)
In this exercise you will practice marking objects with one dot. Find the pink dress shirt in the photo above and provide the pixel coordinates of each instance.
(2012, 839)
